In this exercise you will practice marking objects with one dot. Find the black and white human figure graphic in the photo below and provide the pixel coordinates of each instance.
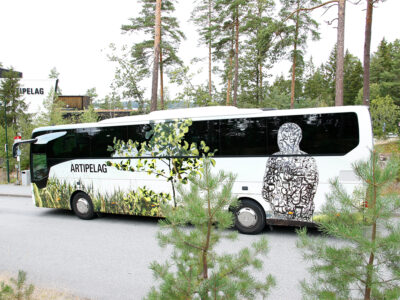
(291, 177)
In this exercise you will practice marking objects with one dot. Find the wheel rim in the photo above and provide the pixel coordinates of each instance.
(82, 205)
(247, 217)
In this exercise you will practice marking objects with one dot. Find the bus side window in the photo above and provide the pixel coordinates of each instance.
(206, 131)
(103, 137)
(63, 146)
(243, 137)
(39, 163)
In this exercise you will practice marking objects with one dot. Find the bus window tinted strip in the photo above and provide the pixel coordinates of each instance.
(322, 134)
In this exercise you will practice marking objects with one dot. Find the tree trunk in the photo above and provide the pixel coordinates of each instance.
(367, 51)
(228, 90)
(370, 266)
(209, 50)
(236, 80)
(261, 83)
(157, 40)
(161, 81)
(340, 53)
(294, 59)
(257, 82)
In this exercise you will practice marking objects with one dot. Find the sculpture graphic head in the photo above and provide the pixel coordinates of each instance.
(289, 138)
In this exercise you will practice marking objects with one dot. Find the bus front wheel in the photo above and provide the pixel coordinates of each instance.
(249, 217)
(82, 206)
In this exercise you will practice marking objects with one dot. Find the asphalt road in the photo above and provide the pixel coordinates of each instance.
(108, 258)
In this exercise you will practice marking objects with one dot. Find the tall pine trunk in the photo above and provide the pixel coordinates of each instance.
(340, 53)
(261, 84)
(370, 266)
(209, 50)
(236, 80)
(157, 41)
(293, 85)
(228, 90)
(161, 81)
(257, 81)
(367, 51)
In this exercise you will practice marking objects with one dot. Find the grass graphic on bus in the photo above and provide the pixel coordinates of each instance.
(142, 201)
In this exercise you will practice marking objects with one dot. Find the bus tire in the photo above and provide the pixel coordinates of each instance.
(249, 217)
(82, 206)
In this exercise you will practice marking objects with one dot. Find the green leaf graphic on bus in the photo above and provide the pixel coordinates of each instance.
(142, 201)
(166, 142)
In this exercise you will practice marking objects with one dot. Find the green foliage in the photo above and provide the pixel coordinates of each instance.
(385, 116)
(196, 270)
(52, 111)
(16, 107)
(126, 78)
(374, 92)
(166, 143)
(10, 140)
(385, 69)
(191, 95)
(142, 53)
(145, 202)
(112, 101)
(260, 51)
(89, 115)
(364, 258)
(352, 78)
(56, 194)
(300, 27)
(17, 290)
(141, 202)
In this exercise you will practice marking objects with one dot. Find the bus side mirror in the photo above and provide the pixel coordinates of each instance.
(16, 151)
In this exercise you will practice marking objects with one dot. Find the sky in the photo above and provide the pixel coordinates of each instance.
(74, 36)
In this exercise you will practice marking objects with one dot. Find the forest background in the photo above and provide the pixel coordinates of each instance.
(245, 40)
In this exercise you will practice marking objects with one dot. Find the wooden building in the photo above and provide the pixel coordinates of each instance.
(75, 102)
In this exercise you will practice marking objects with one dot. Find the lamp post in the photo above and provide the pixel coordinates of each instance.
(6, 144)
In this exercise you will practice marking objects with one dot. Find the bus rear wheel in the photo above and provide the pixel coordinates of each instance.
(82, 206)
(249, 217)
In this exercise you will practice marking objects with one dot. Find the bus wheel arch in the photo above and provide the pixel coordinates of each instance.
(82, 205)
(249, 216)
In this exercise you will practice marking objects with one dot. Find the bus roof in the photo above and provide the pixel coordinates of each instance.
(181, 113)
(209, 112)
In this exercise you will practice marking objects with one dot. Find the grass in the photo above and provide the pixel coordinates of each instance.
(142, 201)
(390, 147)
(39, 293)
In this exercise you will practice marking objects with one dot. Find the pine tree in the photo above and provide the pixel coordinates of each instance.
(367, 50)
(232, 14)
(89, 115)
(385, 69)
(318, 88)
(339, 87)
(127, 78)
(223, 45)
(196, 270)
(260, 51)
(16, 109)
(385, 115)
(143, 53)
(204, 16)
(304, 26)
(353, 78)
(364, 260)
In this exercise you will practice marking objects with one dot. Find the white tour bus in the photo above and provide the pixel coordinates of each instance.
(283, 159)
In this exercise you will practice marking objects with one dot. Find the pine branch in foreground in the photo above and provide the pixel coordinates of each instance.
(196, 270)
(360, 258)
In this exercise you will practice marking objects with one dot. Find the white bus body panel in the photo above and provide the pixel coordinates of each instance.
(249, 170)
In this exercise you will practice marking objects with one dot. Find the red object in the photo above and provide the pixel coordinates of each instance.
(18, 137)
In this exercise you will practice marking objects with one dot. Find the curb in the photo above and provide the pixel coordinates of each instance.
(16, 195)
